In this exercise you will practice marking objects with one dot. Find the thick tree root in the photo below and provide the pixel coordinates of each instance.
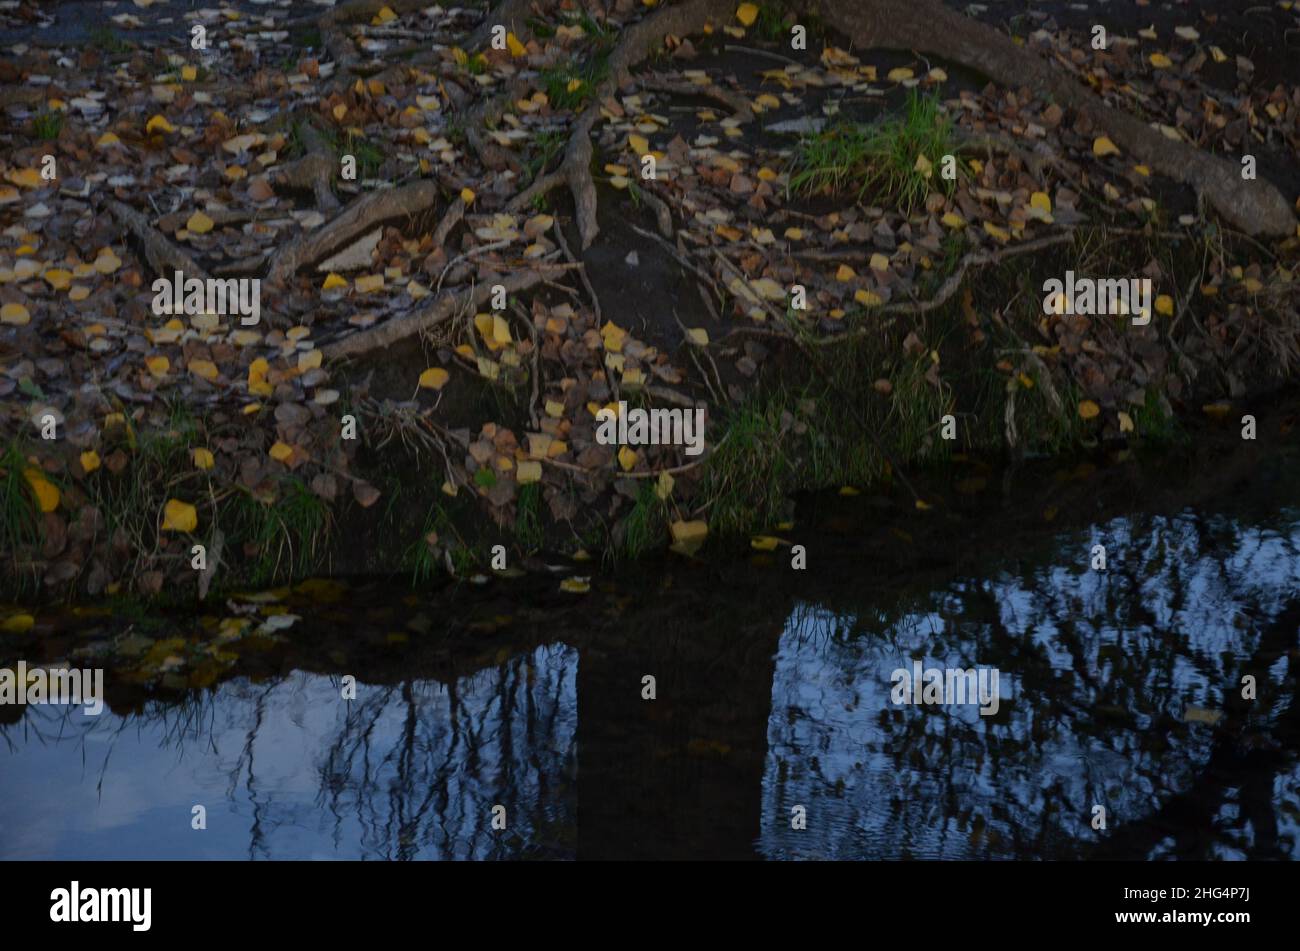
(511, 14)
(443, 308)
(737, 103)
(315, 170)
(333, 26)
(636, 44)
(357, 218)
(163, 256)
(927, 26)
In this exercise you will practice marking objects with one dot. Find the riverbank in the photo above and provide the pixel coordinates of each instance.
(193, 456)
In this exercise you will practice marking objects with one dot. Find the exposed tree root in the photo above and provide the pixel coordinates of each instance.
(333, 27)
(315, 170)
(511, 14)
(163, 256)
(443, 308)
(974, 259)
(636, 43)
(737, 103)
(927, 26)
(358, 217)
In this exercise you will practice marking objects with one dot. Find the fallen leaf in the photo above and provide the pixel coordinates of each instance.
(179, 516)
(17, 624)
(46, 492)
(159, 124)
(1103, 147)
(688, 536)
(199, 223)
(15, 314)
(434, 378)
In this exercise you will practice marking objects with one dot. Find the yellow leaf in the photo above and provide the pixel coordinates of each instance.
(1160, 61)
(1165, 305)
(281, 451)
(528, 471)
(845, 274)
(747, 13)
(106, 262)
(467, 195)
(308, 360)
(26, 178)
(879, 262)
(953, 220)
(15, 314)
(1217, 410)
(385, 15)
(332, 281)
(664, 486)
(923, 506)
(640, 145)
(199, 223)
(1088, 409)
(89, 461)
(626, 458)
(868, 298)
(203, 459)
(1103, 146)
(688, 536)
(371, 282)
(159, 124)
(763, 542)
(698, 336)
(204, 369)
(434, 378)
(189, 74)
(901, 74)
(179, 516)
(17, 624)
(1218, 55)
(1041, 201)
(575, 585)
(516, 48)
(1125, 422)
(58, 278)
(500, 329)
(996, 232)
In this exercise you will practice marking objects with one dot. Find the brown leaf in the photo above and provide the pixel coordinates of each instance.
(365, 494)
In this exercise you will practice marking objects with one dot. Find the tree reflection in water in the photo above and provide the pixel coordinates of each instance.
(770, 695)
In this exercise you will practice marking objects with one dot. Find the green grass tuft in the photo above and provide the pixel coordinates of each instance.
(48, 125)
(529, 530)
(878, 159)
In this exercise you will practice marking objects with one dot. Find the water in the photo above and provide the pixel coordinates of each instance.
(1119, 689)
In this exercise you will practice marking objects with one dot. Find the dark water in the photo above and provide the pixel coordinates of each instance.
(1118, 688)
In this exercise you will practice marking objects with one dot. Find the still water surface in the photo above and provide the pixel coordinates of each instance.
(1119, 689)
